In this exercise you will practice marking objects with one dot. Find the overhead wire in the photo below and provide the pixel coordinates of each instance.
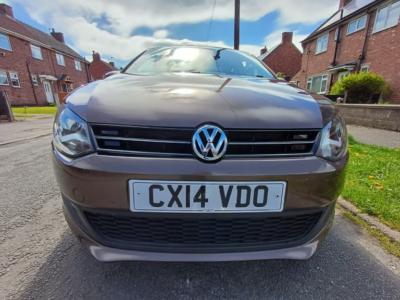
(211, 21)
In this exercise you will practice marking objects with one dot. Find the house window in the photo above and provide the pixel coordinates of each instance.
(78, 65)
(71, 87)
(5, 42)
(364, 69)
(387, 16)
(336, 34)
(64, 88)
(14, 80)
(322, 44)
(36, 52)
(34, 80)
(356, 25)
(318, 84)
(297, 82)
(3, 78)
(60, 59)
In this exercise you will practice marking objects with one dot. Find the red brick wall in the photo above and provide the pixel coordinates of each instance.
(382, 55)
(98, 69)
(16, 61)
(286, 59)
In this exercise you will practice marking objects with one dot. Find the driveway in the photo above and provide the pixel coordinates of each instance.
(40, 259)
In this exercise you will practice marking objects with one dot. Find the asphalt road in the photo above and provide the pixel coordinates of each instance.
(40, 259)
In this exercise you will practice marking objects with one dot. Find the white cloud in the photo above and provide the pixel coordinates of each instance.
(160, 34)
(106, 26)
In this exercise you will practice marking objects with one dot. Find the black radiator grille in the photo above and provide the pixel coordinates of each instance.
(124, 140)
(222, 231)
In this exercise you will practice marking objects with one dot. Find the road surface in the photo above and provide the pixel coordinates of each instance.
(41, 259)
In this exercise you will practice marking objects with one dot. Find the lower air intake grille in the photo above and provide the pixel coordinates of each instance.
(224, 231)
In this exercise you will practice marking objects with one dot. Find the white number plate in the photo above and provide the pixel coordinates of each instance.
(208, 197)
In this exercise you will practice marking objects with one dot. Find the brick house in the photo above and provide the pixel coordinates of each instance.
(284, 57)
(36, 68)
(363, 35)
(98, 67)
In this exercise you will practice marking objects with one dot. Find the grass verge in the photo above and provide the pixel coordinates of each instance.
(373, 183)
(45, 110)
(388, 244)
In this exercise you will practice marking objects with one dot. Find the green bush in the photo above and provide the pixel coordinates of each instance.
(362, 86)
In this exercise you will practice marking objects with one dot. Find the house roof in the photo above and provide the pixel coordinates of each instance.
(51, 41)
(14, 26)
(343, 15)
(31, 33)
(266, 54)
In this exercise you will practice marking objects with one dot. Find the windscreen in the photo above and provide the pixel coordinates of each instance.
(198, 60)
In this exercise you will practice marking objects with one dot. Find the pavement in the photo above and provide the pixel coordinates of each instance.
(41, 259)
(375, 136)
(25, 128)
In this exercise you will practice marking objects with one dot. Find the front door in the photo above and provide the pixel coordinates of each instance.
(47, 90)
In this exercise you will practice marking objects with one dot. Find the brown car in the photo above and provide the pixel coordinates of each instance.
(198, 154)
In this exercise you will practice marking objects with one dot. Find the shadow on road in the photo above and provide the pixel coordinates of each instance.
(341, 270)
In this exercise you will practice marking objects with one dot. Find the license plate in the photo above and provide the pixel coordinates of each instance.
(207, 197)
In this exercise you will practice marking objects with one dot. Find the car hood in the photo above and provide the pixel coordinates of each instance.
(189, 100)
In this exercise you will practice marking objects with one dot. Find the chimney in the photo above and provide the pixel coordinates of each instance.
(287, 37)
(112, 63)
(59, 36)
(263, 50)
(96, 56)
(343, 3)
(7, 10)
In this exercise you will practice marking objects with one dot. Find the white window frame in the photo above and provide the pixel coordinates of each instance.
(14, 74)
(389, 6)
(364, 67)
(60, 59)
(357, 22)
(336, 34)
(9, 42)
(78, 65)
(321, 40)
(324, 77)
(297, 82)
(5, 74)
(40, 51)
(34, 80)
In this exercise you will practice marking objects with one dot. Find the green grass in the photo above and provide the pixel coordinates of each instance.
(373, 181)
(45, 110)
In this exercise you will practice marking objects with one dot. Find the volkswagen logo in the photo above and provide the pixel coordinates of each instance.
(209, 143)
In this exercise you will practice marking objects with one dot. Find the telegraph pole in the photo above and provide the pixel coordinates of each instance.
(237, 24)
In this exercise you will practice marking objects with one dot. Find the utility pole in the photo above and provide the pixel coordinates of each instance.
(237, 24)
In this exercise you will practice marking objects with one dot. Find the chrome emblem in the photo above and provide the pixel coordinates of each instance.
(209, 143)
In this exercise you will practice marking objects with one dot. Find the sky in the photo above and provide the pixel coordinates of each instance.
(121, 29)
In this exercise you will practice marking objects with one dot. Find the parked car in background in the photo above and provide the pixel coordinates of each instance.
(202, 155)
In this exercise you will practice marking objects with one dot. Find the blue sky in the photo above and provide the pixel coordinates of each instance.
(122, 29)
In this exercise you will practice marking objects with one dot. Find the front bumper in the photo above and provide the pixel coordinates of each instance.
(100, 183)
(109, 254)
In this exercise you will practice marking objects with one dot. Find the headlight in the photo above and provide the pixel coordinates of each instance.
(333, 142)
(71, 134)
